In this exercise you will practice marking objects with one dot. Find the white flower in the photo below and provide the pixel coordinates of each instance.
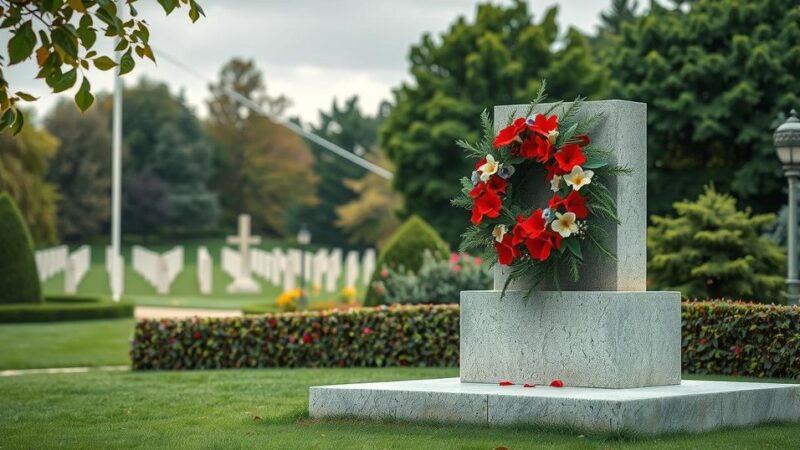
(499, 232)
(489, 168)
(579, 178)
(564, 224)
(555, 183)
(552, 136)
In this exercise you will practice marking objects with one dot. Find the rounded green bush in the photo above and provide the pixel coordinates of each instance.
(19, 280)
(406, 248)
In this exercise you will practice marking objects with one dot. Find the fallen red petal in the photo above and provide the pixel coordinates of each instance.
(528, 385)
(506, 383)
(557, 383)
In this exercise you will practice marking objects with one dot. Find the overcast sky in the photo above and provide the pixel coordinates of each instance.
(309, 50)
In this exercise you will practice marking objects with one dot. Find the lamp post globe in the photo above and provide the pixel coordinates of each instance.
(303, 238)
(787, 146)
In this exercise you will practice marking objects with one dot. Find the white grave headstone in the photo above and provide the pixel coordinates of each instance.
(351, 269)
(205, 274)
(243, 282)
(368, 264)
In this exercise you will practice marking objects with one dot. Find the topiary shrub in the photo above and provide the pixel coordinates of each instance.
(712, 250)
(19, 280)
(405, 248)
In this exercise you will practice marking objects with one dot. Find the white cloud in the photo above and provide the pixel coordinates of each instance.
(309, 50)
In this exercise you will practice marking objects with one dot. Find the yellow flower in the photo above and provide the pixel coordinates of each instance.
(348, 292)
(565, 224)
(489, 168)
(552, 136)
(555, 183)
(578, 178)
(499, 232)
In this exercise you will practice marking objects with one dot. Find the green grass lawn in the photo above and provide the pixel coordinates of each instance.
(267, 409)
(184, 291)
(65, 344)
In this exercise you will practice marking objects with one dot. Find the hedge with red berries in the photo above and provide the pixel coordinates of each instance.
(368, 337)
(718, 338)
(736, 338)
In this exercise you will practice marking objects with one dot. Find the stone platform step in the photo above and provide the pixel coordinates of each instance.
(690, 406)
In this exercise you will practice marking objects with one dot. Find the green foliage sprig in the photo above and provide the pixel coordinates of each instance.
(61, 36)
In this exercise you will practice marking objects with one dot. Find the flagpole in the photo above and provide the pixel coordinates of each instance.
(116, 175)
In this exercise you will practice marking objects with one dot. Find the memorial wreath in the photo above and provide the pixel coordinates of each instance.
(536, 241)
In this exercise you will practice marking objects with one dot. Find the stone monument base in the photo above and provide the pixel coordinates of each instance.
(244, 286)
(691, 406)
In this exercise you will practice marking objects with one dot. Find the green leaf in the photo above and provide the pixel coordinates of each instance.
(65, 81)
(66, 42)
(19, 122)
(126, 63)
(593, 163)
(25, 96)
(573, 246)
(87, 36)
(104, 63)
(168, 5)
(84, 97)
(7, 119)
(21, 44)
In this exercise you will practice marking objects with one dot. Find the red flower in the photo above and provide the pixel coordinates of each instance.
(480, 163)
(574, 203)
(306, 338)
(557, 383)
(583, 140)
(273, 323)
(487, 201)
(506, 251)
(569, 157)
(509, 134)
(540, 247)
(530, 227)
(553, 170)
(536, 146)
(366, 331)
(528, 385)
(197, 335)
(497, 184)
(543, 124)
(506, 383)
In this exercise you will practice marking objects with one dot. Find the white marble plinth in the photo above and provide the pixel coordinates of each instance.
(243, 285)
(690, 406)
(588, 339)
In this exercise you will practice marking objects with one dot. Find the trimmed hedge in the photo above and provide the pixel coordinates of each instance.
(19, 279)
(718, 338)
(58, 308)
(366, 337)
(737, 338)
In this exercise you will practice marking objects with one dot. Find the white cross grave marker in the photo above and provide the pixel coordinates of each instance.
(244, 282)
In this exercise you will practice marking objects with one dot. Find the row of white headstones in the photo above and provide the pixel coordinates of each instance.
(322, 269)
(54, 260)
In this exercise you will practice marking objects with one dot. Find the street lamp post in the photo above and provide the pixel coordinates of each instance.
(303, 238)
(787, 146)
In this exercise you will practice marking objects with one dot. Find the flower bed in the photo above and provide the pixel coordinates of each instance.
(718, 338)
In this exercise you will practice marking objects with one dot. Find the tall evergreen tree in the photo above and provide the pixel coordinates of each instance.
(351, 129)
(262, 168)
(717, 76)
(167, 141)
(81, 170)
(709, 249)
(500, 58)
(24, 160)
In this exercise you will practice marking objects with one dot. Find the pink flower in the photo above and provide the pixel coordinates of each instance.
(384, 274)
(454, 258)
